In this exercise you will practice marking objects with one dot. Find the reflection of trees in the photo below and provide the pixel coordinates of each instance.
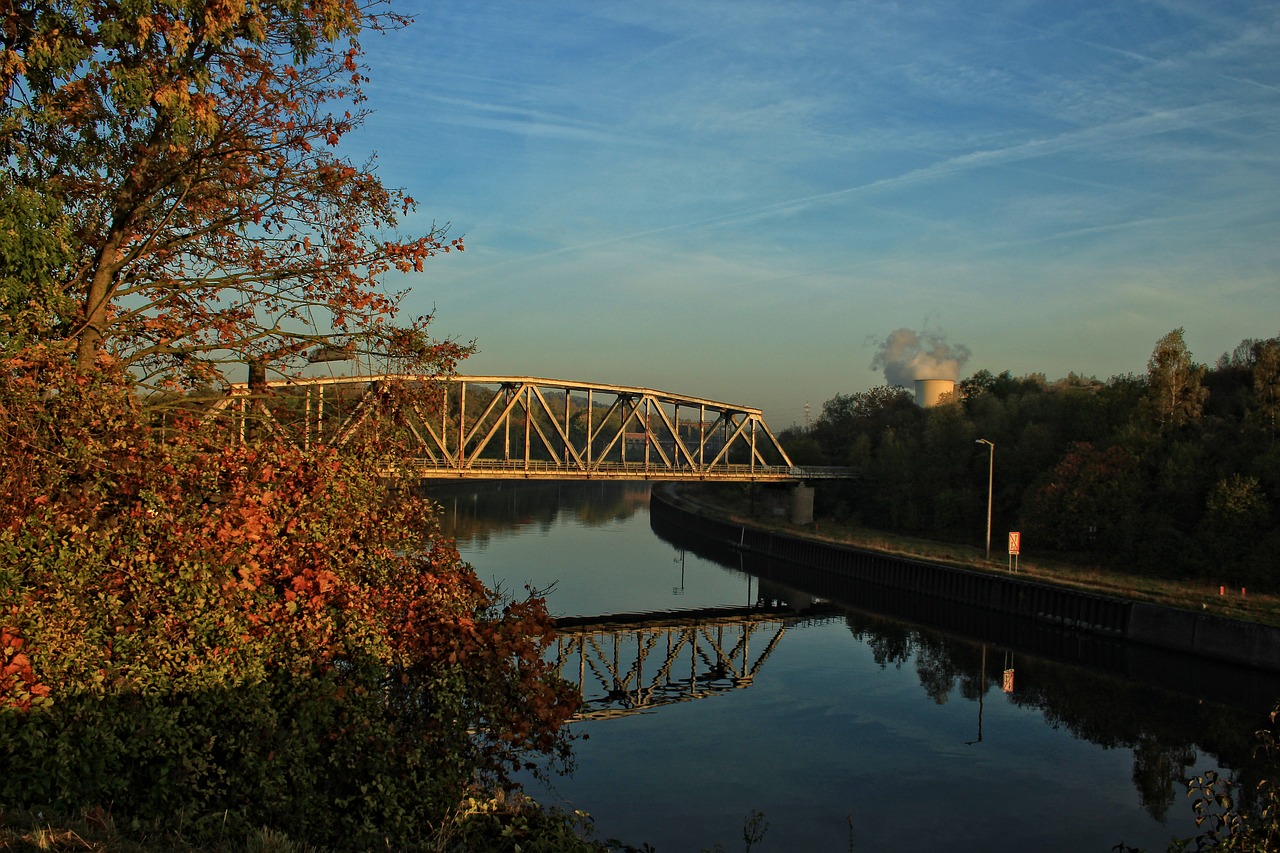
(936, 669)
(1164, 730)
(1168, 733)
(477, 511)
(974, 684)
(888, 646)
(1165, 707)
(1160, 772)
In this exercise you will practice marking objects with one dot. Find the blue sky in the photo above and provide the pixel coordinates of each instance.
(743, 200)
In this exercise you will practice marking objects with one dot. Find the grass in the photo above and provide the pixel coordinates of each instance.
(1207, 596)
(95, 830)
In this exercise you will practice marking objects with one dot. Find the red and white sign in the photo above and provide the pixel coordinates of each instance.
(1015, 543)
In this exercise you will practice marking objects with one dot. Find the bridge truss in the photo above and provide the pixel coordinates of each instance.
(522, 427)
(641, 663)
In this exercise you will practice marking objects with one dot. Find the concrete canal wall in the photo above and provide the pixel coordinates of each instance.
(1179, 630)
(1206, 635)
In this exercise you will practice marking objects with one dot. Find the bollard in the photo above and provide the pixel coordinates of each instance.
(1243, 591)
(1222, 590)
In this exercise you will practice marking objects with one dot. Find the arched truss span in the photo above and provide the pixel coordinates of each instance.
(505, 427)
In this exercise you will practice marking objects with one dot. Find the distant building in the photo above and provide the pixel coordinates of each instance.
(931, 392)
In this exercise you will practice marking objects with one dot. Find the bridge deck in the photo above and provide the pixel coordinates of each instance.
(493, 469)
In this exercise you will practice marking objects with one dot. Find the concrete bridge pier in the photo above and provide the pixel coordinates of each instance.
(801, 504)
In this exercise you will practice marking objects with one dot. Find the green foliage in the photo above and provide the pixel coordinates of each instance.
(1086, 502)
(220, 637)
(189, 152)
(1174, 472)
(198, 636)
(1176, 393)
(33, 249)
(1266, 385)
(496, 822)
(802, 448)
(1001, 387)
(877, 411)
(1236, 513)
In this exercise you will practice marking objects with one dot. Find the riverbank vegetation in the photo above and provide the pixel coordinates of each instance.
(741, 506)
(1170, 475)
(214, 634)
(230, 636)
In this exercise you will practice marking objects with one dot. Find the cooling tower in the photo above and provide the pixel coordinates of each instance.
(930, 391)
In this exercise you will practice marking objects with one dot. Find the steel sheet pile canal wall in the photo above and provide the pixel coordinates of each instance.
(1166, 627)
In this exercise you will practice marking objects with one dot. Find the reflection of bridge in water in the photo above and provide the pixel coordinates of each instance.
(629, 663)
(522, 427)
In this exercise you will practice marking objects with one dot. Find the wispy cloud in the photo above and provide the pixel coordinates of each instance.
(859, 160)
(524, 121)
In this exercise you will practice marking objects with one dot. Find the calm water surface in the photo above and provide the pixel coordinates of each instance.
(863, 726)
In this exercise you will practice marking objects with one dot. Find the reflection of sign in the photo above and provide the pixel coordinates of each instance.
(1015, 543)
(1008, 681)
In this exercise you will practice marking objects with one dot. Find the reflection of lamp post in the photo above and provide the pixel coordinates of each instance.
(991, 481)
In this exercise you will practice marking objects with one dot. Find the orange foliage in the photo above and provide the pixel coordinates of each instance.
(19, 687)
(194, 156)
(192, 562)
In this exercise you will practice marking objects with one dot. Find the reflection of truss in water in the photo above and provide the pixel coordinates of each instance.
(629, 663)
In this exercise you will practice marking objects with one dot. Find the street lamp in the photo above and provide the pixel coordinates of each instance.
(991, 481)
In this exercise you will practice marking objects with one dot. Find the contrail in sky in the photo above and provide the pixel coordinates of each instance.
(1159, 122)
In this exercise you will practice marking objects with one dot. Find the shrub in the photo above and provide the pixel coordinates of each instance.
(225, 636)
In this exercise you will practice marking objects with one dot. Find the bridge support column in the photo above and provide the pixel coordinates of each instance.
(801, 504)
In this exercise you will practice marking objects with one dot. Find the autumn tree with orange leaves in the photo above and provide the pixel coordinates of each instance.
(191, 149)
(203, 635)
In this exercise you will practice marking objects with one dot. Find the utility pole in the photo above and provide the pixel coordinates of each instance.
(991, 481)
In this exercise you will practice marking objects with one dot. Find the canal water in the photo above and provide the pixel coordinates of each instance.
(725, 698)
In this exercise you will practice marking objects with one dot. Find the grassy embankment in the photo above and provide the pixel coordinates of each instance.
(735, 505)
(23, 832)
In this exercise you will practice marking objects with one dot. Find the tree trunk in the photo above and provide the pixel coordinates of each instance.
(93, 324)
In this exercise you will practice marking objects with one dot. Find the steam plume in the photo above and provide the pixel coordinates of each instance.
(906, 356)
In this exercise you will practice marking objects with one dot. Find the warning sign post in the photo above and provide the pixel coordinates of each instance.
(1015, 548)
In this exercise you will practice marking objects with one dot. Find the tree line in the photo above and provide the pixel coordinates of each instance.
(1173, 472)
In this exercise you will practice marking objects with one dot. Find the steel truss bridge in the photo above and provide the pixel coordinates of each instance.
(632, 663)
(523, 427)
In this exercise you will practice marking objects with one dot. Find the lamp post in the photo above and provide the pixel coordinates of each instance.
(991, 481)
